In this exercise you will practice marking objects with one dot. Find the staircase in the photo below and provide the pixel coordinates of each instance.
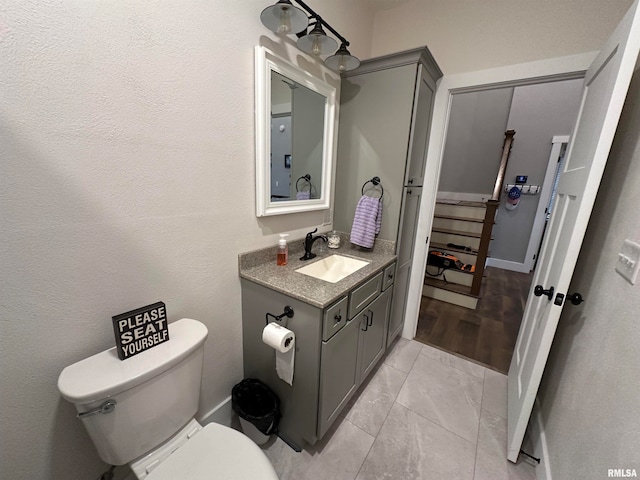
(463, 229)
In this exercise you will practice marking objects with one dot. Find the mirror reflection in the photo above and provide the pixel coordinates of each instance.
(297, 136)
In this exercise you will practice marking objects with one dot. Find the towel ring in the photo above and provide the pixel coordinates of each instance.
(376, 182)
(306, 177)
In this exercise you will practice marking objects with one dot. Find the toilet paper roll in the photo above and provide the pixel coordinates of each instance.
(283, 341)
(278, 337)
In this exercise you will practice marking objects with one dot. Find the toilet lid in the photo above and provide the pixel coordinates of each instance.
(216, 452)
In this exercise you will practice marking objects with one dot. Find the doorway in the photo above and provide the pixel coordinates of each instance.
(477, 124)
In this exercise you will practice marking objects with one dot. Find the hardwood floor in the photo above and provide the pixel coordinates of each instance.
(486, 335)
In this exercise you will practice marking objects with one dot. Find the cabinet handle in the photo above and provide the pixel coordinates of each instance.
(366, 323)
(390, 276)
(337, 318)
(370, 320)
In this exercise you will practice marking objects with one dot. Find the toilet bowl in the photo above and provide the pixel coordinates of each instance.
(141, 411)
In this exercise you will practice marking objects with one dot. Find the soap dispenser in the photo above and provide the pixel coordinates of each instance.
(283, 250)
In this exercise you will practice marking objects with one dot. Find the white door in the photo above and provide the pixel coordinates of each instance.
(605, 89)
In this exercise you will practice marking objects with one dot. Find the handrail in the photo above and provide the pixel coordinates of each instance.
(506, 150)
(483, 247)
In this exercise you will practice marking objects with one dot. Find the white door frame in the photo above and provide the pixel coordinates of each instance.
(554, 69)
(545, 195)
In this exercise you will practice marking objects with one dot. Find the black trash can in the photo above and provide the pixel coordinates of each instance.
(258, 408)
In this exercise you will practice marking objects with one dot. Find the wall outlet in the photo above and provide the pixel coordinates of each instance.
(628, 263)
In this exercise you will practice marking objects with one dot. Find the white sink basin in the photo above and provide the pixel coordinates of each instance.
(333, 269)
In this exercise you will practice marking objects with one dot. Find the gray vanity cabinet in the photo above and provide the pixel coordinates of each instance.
(336, 348)
(385, 116)
(350, 355)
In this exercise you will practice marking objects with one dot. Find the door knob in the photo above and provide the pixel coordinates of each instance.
(539, 290)
(575, 298)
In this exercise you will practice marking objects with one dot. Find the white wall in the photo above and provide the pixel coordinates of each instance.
(538, 112)
(470, 35)
(475, 136)
(589, 393)
(126, 177)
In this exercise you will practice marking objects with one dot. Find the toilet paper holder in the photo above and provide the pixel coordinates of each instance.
(288, 312)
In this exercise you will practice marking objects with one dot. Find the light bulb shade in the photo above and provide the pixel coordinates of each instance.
(342, 60)
(283, 18)
(317, 42)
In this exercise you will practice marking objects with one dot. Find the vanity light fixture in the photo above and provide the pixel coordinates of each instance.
(342, 60)
(316, 41)
(284, 18)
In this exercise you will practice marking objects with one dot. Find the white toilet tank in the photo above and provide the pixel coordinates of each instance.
(156, 392)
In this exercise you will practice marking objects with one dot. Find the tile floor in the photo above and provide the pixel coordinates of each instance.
(424, 414)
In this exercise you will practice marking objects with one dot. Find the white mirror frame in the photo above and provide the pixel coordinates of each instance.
(267, 62)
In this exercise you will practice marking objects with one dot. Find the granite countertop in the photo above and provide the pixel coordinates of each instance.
(260, 267)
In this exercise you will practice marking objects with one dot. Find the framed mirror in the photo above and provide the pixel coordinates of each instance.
(295, 135)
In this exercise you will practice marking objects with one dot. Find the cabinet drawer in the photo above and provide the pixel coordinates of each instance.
(334, 318)
(364, 294)
(388, 276)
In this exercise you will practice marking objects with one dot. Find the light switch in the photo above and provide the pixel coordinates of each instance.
(628, 263)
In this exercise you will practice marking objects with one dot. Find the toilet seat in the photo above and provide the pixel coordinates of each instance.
(216, 452)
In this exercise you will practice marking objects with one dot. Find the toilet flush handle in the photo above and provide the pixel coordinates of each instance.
(107, 406)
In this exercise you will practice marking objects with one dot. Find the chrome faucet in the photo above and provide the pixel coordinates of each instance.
(308, 243)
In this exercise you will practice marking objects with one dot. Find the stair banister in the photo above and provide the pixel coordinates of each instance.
(506, 150)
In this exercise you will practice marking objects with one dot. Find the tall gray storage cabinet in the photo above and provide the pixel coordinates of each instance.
(385, 117)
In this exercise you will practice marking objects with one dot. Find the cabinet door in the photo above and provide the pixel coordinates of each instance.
(398, 305)
(373, 332)
(338, 374)
(408, 224)
(421, 123)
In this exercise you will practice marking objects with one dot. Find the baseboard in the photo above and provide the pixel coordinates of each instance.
(539, 439)
(507, 265)
(465, 197)
(221, 413)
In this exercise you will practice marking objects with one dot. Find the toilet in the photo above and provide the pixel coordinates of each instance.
(141, 411)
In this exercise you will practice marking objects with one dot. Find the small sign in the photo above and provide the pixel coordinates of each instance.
(140, 329)
(520, 179)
